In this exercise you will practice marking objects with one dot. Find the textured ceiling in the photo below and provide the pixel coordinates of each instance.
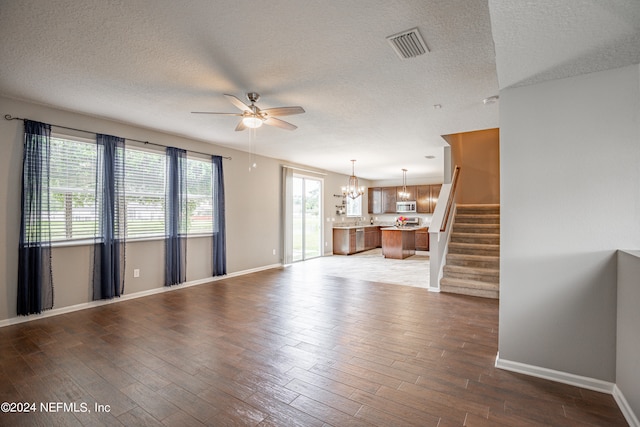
(552, 39)
(151, 62)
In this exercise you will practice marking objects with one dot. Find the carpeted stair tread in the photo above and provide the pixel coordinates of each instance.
(481, 238)
(480, 261)
(470, 287)
(475, 228)
(473, 249)
(477, 218)
(480, 274)
(481, 209)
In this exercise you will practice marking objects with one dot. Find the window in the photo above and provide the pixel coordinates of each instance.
(72, 189)
(144, 192)
(72, 201)
(354, 206)
(199, 197)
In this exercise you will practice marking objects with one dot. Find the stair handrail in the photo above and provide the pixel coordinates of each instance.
(439, 234)
(451, 198)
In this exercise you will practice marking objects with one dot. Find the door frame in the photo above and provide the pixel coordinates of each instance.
(297, 174)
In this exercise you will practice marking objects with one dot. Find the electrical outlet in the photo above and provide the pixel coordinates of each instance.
(136, 272)
(274, 252)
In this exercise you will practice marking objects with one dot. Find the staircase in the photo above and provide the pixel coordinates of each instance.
(473, 260)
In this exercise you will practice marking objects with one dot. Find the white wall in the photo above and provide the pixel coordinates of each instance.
(570, 195)
(628, 338)
(252, 213)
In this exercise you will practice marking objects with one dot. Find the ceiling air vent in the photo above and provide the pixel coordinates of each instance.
(408, 44)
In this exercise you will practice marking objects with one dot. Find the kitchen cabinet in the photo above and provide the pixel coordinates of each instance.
(382, 200)
(423, 199)
(422, 239)
(435, 193)
(375, 200)
(371, 237)
(427, 197)
(389, 198)
(345, 239)
(411, 189)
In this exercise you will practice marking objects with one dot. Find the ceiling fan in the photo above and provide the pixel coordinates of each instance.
(254, 117)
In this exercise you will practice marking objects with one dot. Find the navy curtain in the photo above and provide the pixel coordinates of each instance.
(109, 247)
(219, 239)
(35, 282)
(176, 216)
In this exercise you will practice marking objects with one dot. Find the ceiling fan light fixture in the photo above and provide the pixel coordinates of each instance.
(252, 122)
(253, 117)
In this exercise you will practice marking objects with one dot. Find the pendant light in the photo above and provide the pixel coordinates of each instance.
(352, 189)
(404, 194)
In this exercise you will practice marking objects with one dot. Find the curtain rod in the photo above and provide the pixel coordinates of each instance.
(9, 117)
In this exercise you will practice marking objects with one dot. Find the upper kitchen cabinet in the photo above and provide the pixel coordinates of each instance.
(423, 199)
(435, 193)
(375, 200)
(382, 200)
(389, 199)
(411, 190)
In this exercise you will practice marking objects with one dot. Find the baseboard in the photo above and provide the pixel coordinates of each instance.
(625, 408)
(553, 375)
(574, 380)
(249, 271)
(126, 297)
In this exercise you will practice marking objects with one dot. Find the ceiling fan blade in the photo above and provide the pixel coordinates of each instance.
(240, 126)
(283, 111)
(235, 101)
(222, 114)
(272, 121)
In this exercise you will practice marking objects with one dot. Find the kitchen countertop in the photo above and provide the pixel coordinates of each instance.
(382, 227)
(403, 228)
(348, 227)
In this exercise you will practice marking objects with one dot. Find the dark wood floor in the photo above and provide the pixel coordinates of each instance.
(284, 347)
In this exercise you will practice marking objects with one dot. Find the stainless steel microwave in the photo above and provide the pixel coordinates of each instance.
(404, 207)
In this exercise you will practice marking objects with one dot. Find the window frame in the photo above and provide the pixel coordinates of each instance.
(207, 161)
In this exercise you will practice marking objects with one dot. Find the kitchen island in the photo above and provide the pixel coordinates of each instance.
(398, 242)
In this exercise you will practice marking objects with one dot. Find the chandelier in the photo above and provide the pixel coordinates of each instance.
(404, 194)
(353, 190)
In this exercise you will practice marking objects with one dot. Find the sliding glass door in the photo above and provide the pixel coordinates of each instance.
(307, 217)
